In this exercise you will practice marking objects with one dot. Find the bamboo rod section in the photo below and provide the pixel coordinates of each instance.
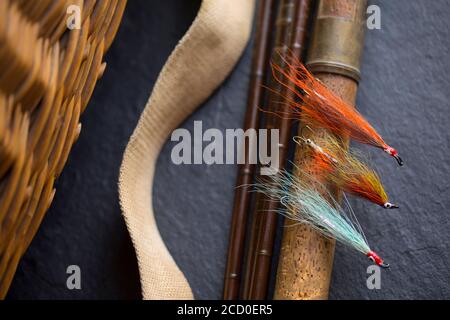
(306, 258)
(290, 36)
(246, 171)
(283, 30)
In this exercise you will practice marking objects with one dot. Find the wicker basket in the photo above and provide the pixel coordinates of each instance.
(47, 76)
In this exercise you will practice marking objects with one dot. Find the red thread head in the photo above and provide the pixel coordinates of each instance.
(391, 151)
(376, 258)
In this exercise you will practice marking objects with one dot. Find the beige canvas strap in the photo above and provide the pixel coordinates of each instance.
(200, 62)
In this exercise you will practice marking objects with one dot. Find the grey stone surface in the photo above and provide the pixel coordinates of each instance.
(403, 93)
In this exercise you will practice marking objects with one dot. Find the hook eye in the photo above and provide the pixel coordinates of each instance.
(399, 160)
(384, 265)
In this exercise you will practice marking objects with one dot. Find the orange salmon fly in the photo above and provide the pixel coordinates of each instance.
(346, 170)
(317, 104)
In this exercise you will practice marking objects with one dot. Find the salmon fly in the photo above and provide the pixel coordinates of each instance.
(306, 205)
(346, 170)
(317, 104)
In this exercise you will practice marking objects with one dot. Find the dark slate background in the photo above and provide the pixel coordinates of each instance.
(403, 93)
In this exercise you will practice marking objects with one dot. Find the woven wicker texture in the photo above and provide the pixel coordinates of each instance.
(47, 76)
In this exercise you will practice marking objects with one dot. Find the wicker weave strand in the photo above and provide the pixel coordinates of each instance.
(47, 76)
